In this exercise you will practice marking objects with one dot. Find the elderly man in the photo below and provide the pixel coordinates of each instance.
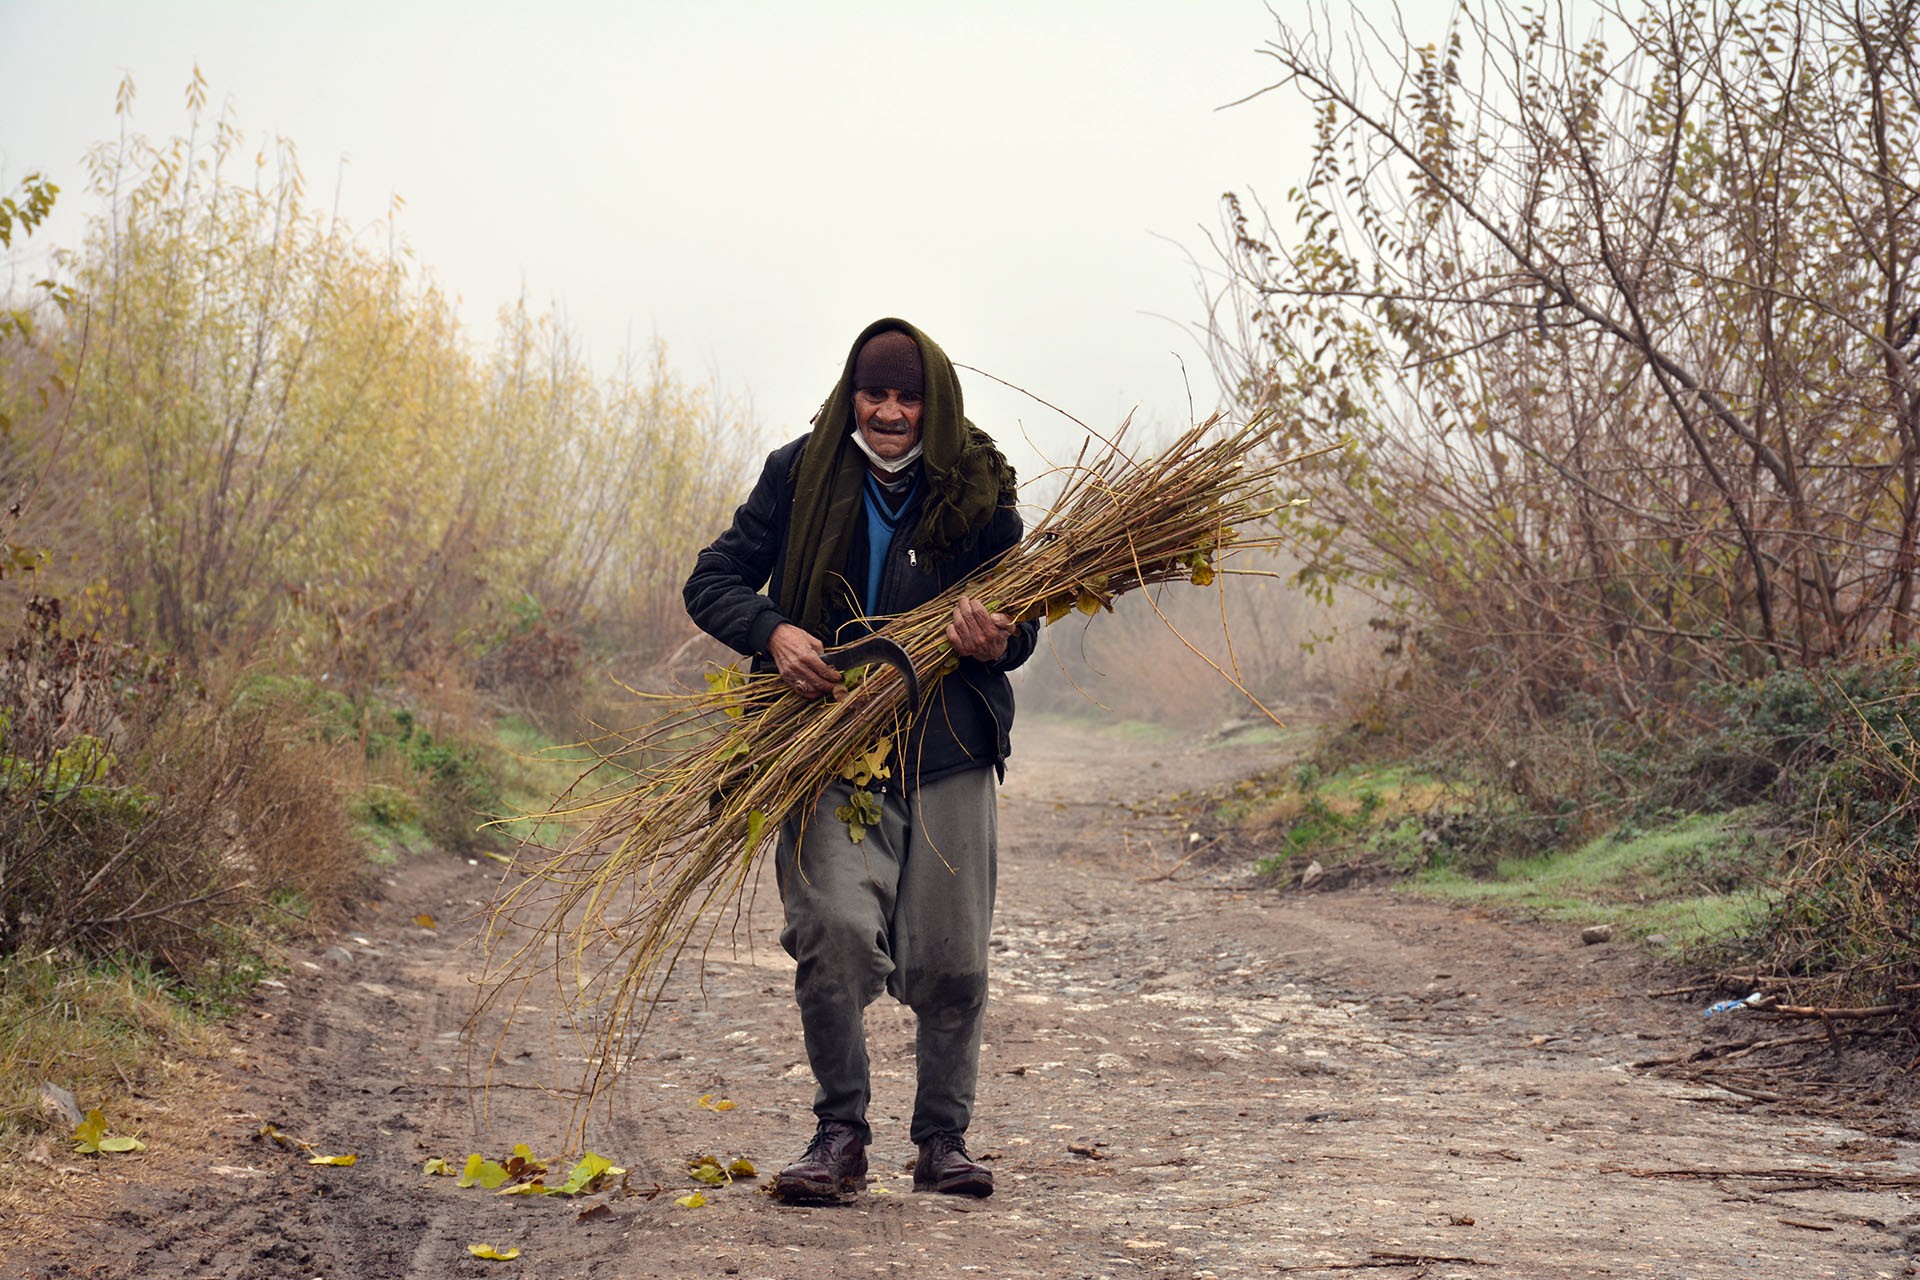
(891, 499)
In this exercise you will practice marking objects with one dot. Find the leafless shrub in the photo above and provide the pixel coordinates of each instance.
(1617, 330)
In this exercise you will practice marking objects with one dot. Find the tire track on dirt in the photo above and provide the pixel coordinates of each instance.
(1194, 1078)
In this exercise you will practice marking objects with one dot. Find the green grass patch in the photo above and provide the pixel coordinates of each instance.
(92, 1029)
(387, 843)
(1691, 879)
(534, 772)
(1359, 812)
(1354, 796)
(471, 794)
(1286, 740)
(1096, 721)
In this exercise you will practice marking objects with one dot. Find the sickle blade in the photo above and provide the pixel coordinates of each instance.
(877, 649)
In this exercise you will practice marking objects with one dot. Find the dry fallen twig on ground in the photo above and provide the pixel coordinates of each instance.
(1816, 1011)
(1707, 1056)
(1827, 1177)
(1379, 1258)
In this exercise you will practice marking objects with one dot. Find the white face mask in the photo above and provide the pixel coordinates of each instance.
(892, 466)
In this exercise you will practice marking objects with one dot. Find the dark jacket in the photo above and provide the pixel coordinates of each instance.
(967, 723)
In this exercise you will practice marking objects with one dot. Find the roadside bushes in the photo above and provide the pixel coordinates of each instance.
(295, 449)
(142, 820)
(1821, 766)
(150, 818)
(1600, 343)
(245, 434)
(1847, 930)
(400, 776)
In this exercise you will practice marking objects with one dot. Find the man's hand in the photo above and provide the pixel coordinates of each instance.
(975, 633)
(797, 653)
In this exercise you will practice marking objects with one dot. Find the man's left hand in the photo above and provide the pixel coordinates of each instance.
(978, 634)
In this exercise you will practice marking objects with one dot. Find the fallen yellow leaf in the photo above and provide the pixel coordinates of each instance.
(87, 1134)
(706, 1100)
(591, 1172)
(492, 1254)
(345, 1162)
(481, 1171)
(692, 1200)
(425, 920)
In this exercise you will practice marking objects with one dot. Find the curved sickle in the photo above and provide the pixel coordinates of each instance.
(877, 649)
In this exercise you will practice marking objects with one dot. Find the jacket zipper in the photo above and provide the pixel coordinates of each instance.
(890, 574)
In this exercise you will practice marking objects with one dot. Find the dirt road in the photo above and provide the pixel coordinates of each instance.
(1192, 1077)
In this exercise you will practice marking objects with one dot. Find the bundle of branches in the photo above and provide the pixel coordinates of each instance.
(669, 824)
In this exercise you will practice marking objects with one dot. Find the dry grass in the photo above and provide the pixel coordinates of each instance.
(141, 821)
(669, 821)
(1843, 933)
(53, 1198)
(104, 1034)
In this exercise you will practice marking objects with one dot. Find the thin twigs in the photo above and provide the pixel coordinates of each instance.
(1833, 1177)
(667, 828)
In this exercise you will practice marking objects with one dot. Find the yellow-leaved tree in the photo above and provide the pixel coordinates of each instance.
(282, 440)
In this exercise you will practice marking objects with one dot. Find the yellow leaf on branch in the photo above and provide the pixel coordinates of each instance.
(869, 764)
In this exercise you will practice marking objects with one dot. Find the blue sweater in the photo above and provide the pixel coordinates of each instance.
(884, 513)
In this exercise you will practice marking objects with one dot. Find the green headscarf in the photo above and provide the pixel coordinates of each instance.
(966, 477)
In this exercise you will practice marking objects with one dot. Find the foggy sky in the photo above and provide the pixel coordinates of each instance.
(750, 182)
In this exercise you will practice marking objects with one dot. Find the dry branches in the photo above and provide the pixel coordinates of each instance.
(668, 826)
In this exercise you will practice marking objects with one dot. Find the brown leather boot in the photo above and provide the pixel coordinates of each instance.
(945, 1166)
(834, 1164)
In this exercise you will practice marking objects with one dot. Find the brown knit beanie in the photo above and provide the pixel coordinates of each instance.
(889, 359)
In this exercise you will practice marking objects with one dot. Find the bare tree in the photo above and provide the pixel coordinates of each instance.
(1617, 328)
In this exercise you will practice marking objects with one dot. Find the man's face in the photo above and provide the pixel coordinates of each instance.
(889, 419)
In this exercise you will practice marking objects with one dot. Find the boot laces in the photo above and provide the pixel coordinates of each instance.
(941, 1144)
(823, 1138)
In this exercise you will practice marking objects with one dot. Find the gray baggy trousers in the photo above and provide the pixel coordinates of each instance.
(906, 910)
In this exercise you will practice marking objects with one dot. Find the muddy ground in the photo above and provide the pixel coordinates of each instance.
(1185, 1076)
